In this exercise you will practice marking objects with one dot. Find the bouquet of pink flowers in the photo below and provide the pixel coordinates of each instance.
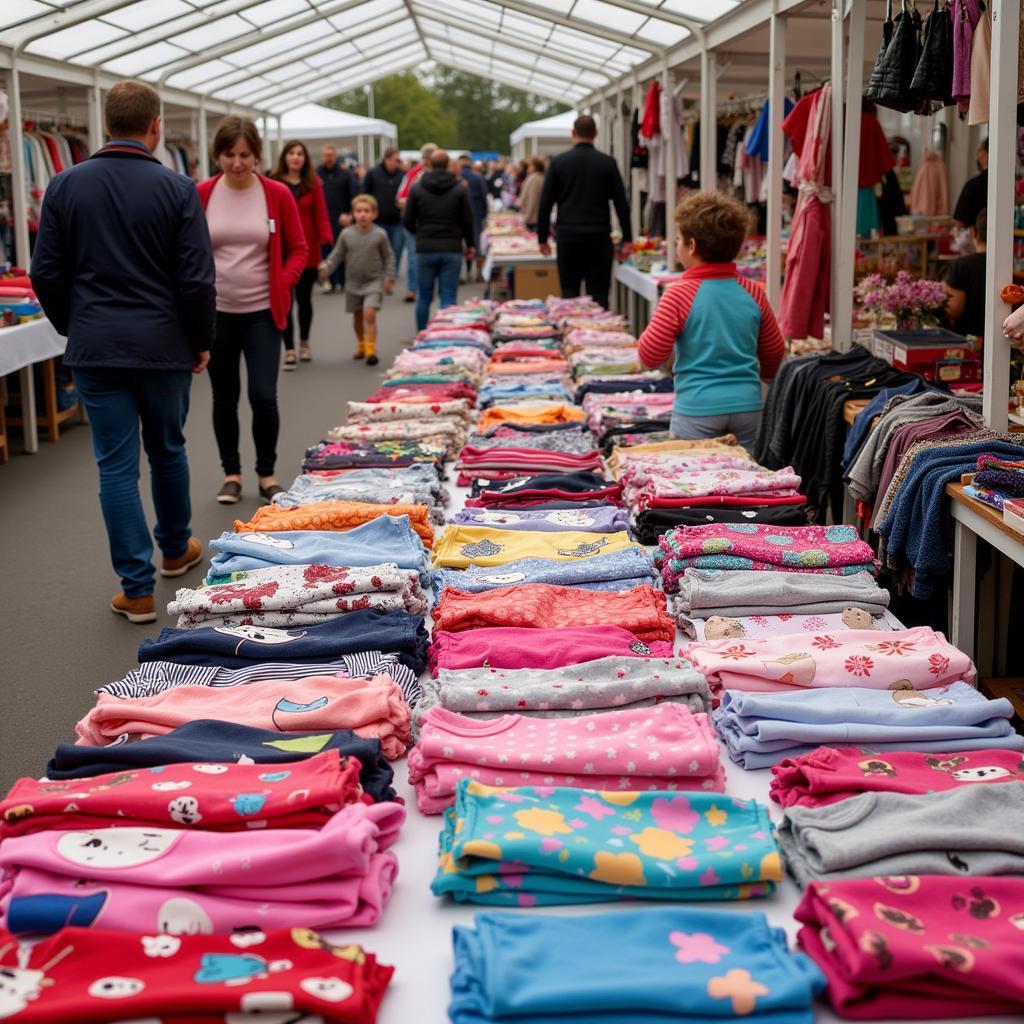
(905, 298)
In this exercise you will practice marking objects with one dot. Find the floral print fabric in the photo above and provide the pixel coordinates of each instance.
(547, 845)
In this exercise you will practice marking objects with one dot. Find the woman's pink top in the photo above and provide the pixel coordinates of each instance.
(240, 232)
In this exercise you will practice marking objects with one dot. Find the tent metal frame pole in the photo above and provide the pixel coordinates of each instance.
(776, 151)
(708, 121)
(95, 115)
(842, 311)
(19, 172)
(671, 172)
(634, 175)
(1002, 157)
(203, 142)
(836, 140)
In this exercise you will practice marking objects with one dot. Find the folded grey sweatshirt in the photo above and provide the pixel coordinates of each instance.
(974, 830)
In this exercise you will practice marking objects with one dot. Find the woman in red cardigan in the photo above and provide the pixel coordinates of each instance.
(259, 252)
(295, 169)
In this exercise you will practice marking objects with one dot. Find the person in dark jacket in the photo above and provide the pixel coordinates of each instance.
(973, 196)
(581, 182)
(340, 186)
(124, 267)
(439, 215)
(383, 182)
(476, 185)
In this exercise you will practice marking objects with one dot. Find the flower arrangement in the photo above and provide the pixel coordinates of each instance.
(904, 299)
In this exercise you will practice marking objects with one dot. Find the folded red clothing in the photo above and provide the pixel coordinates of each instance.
(423, 393)
(728, 500)
(641, 610)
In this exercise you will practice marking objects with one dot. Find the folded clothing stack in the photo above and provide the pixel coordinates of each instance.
(601, 684)
(570, 488)
(971, 830)
(761, 729)
(439, 365)
(606, 410)
(923, 947)
(335, 515)
(384, 539)
(447, 433)
(244, 646)
(525, 413)
(593, 519)
(442, 335)
(373, 708)
(620, 570)
(171, 880)
(462, 546)
(734, 965)
(591, 846)
(506, 391)
(664, 747)
(191, 977)
(328, 455)
(827, 774)
(641, 610)
(420, 393)
(504, 452)
(222, 743)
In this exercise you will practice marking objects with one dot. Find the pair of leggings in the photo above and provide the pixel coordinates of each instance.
(254, 336)
(586, 260)
(302, 296)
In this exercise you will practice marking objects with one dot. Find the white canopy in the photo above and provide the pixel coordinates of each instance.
(548, 135)
(325, 124)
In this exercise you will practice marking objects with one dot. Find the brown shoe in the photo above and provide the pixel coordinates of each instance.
(179, 566)
(134, 609)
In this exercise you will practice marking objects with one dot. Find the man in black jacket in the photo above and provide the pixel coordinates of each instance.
(340, 188)
(581, 182)
(439, 215)
(382, 182)
(124, 267)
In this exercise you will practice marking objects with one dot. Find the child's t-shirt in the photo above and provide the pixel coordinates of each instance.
(725, 336)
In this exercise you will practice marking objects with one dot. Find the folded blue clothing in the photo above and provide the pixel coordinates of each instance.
(603, 519)
(211, 741)
(632, 564)
(393, 632)
(384, 539)
(658, 966)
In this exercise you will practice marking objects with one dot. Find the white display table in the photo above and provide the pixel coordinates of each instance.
(21, 347)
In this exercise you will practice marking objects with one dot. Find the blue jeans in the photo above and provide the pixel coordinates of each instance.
(745, 425)
(443, 267)
(410, 263)
(117, 402)
(396, 236)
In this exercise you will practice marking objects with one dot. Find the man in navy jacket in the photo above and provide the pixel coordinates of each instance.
(124, 267)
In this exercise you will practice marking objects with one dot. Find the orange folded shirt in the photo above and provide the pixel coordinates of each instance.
(334, 515)
(558, 412)
(642, 610)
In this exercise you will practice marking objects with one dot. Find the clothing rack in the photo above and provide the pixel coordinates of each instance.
(49, 121)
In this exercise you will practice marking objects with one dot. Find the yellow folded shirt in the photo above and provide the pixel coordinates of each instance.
(462, 546)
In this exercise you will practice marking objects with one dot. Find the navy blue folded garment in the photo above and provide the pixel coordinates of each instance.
(210, 741)
(393, 632)
(550, 506)
(651, 523)
(614, 385)
(575, 483)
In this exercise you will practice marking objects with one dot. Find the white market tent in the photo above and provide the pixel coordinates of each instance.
(548, 135)
(268, 57)
(317, 125)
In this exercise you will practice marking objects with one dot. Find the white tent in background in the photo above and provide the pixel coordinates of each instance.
(317, 125)
(548, 135)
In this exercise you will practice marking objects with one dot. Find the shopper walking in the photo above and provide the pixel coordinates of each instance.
(123, 267)
(340, 186)
(529, 194)
(581, 182)
(410, 179)
(439, 216)
(476, 186)
(973, 196)
(295, 169)
(260, 252)
(382, 183)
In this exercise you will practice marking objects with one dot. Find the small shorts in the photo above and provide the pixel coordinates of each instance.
(356, 303)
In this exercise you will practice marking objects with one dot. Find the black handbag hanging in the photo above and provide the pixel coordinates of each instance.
(894, 70)
(932, 84)
(875, 79)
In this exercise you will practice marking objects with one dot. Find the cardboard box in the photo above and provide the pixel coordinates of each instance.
(1013, 513)
(928, 352)
(535, 282)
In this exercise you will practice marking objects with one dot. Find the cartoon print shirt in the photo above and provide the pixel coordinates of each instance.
(462, 546)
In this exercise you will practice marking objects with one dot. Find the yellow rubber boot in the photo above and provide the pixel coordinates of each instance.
(370, 344)
(357, 322)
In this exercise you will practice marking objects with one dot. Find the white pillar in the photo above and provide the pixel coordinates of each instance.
(19, 185)
(1002, 155)
(837, 151)
(708, 120)
(203, 142)
(161, 148)
(776, 111)
(96, 133)
(667, 88)
(604, 136)
(842, 311)
(634, 176)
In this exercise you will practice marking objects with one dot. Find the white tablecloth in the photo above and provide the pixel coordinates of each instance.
(29, 343)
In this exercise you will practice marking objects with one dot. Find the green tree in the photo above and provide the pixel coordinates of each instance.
(405, 101)
(452, 108)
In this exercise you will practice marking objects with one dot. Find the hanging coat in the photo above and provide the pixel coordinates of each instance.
(876, 79)
(929, 195)
(965, 18)
(933, 77)
(891, 87)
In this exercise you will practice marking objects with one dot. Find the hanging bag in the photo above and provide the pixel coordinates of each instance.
(875, 81)
(894, 70)
(932, 84)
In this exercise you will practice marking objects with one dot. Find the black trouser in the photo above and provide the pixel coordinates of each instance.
(302, 296)
(254, 336)
(589, 260)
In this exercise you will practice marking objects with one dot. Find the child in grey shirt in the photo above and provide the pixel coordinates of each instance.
(369, 273)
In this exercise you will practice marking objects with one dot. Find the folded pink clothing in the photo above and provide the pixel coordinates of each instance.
(643, 748)
(501, 647)
(911, 659)
(224, 797)
(371, 707)
(829, 774)
(270, 859)
(349, 901)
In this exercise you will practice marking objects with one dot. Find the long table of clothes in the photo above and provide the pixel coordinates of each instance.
(706, 777)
